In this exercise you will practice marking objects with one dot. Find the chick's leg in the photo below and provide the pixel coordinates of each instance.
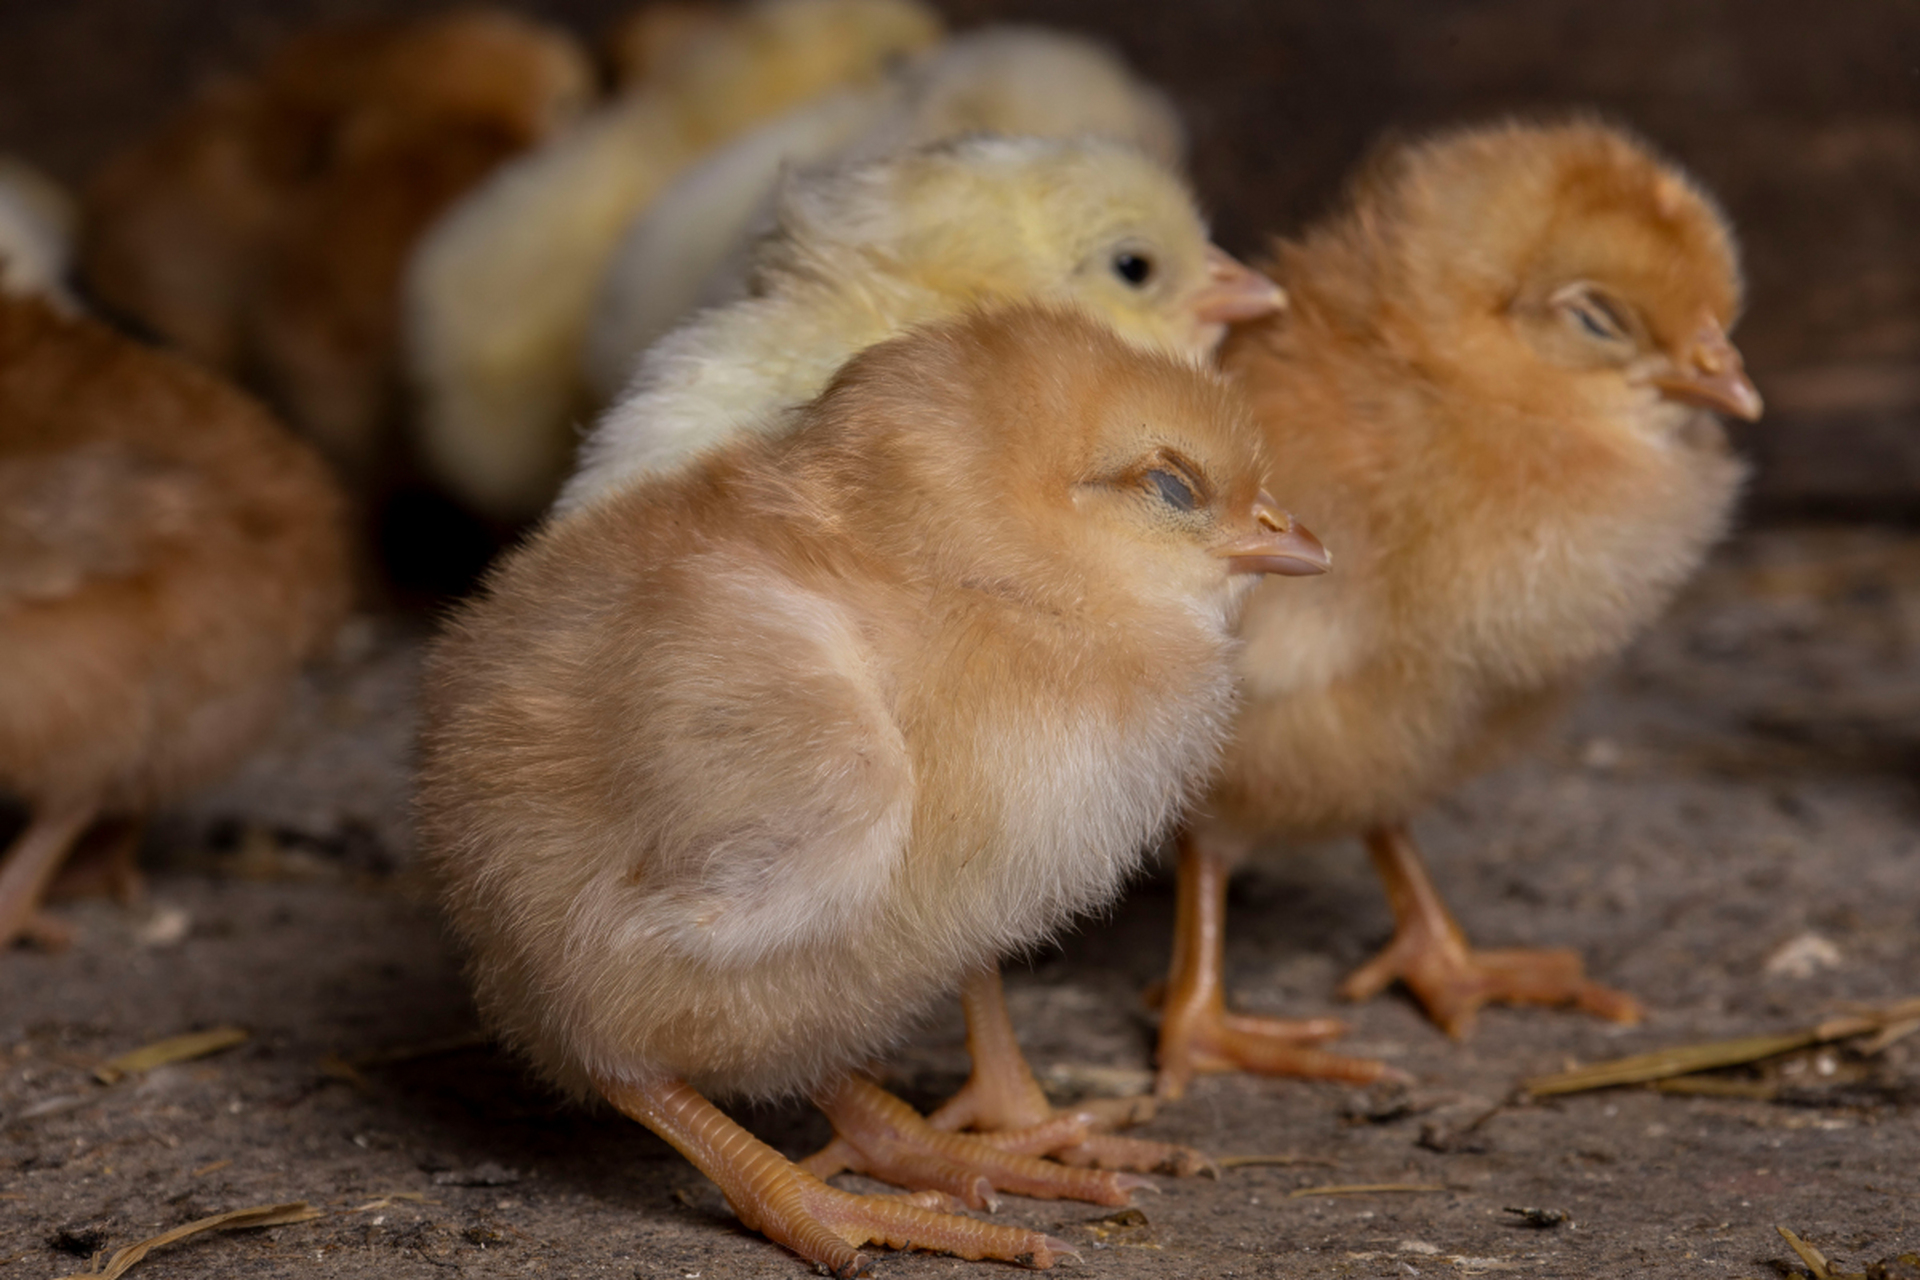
(1452, 980)
(1197, 1033)
(822, 1224)
(104, 862)
(1004, 1104)
(881, 1136)
(28, 869)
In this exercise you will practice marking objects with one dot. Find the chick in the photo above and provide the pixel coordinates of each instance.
(691, 245)
(1495, 389)
(168, 557)
(264, 229)
(37, 219)
(651, 39)
(860, 256)
(499, 292)
(729, 778)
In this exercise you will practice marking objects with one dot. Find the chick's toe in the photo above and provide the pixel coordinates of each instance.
(1005, 1106)
(882, 1137)
(1431, 954)
(1197, 1033)
(822, 1224)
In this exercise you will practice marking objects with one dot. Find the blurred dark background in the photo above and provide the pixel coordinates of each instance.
(1805, 119)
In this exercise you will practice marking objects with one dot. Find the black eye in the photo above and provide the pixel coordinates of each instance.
(1172, 490)
(1135, 268)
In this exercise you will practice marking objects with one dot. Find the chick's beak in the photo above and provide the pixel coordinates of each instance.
(1713, 376)
(1234, 292)
(1283, 545)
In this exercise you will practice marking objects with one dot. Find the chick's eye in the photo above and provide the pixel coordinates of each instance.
(1172, 490)
(1596, 317)
(1135, 268)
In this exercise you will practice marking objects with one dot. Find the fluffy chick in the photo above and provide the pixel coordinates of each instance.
(730, 777)
(264, 229)
(862, 255)
(499, 292)
(168, 557)
(37, 219)
(691, 245)
(648, 41)
(1495, 389)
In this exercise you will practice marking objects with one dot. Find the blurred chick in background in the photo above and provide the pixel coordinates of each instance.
(168, 557)
(264, 230)
(37, 218)
(692, 245)
(499, 293)
(730, 777)
(650, 39)
(860, 256)
(1494, 391)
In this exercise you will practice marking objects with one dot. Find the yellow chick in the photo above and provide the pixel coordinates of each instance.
(861, 256)
(168, 557)
(729, 778)
(1495, 389)
(690, 247)
(499, 292)
(37, 219)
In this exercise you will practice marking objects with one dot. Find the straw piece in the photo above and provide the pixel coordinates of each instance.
(1664, 1063)
(1815, 1260)
(265, 1215)
(196, 1044)
(1242, 1162)
(1365, 1188)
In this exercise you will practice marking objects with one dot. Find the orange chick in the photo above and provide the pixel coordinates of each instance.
(168, 557)
(1495, 394)
(265, 229)
(730, 777)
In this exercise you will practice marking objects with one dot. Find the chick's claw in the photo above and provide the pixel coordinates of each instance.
(1006, 1108)
(1197, 1033)
(881, 1136)
(1431, 954)
(793, 1207)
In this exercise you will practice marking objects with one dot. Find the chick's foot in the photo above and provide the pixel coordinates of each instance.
(1445, 973)
(1197, 1033)
(882, 1137)
(1005, 1107)
(824, 1225)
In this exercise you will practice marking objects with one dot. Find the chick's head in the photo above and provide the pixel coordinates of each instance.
(1046, 452)
(987, 219)
(1562, 268)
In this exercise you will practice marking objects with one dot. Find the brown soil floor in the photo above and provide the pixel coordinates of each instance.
(1727, 826)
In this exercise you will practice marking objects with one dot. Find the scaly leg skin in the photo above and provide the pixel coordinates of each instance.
(1197, 1033)
(1003, 1103)
(882, 1137)
(28, 869)
(822, 1224)
(1452, 980)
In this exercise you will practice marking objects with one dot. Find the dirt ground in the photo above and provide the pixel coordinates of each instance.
(1728, 826)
